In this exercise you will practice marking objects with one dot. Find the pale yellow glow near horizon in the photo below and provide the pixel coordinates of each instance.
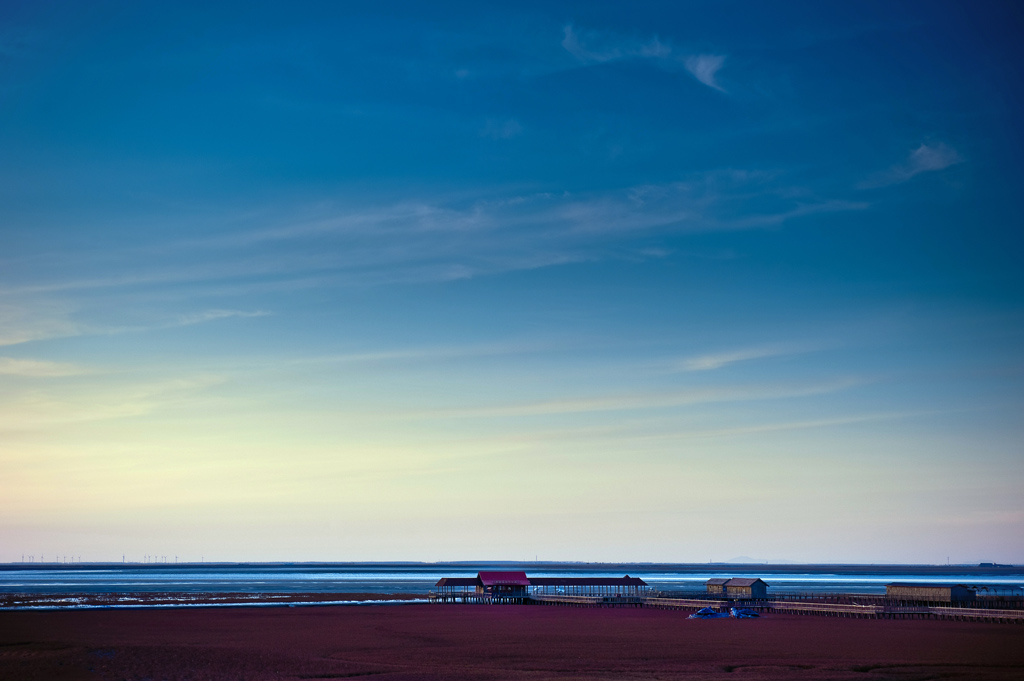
(115, 464)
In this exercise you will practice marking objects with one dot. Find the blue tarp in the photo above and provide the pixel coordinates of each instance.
(742, 613)
(707, 614)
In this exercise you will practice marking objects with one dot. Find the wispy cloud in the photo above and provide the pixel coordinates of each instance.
(926, 158)
(800, 210)
(427, 353)
(804, 425)
(721, 359)
(26, 323)
(650, 431)
(212, 315)
(38, 368)
(599, 46)
(645, 401)
(35, 410)
(705, 67)
(36, 321)
(167, 276)
(445, 239)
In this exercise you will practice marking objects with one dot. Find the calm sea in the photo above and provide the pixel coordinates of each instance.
(419, 578)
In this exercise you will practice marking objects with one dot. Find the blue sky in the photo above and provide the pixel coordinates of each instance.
(327, 283)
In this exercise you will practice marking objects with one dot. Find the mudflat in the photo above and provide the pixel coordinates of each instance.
(397, 642)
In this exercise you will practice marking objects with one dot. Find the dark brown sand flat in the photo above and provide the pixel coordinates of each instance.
(492, 642)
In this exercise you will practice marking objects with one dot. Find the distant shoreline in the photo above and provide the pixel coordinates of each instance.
(726, 568)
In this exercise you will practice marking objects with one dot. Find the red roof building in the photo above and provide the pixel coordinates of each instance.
(516, 585)
(503, 579)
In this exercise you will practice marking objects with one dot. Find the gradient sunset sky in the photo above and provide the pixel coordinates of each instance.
(679, 281)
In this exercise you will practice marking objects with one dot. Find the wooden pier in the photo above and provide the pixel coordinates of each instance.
(515, 588)
(766, 606)
(496, 587)
(684, 603)
(588, 601)
(458, 597)
(897, 611)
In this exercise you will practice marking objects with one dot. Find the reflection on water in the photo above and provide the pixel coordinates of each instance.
(351, 578)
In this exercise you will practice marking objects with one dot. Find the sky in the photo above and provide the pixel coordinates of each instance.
(679, 281)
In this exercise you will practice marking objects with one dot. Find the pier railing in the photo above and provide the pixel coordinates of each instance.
(837, 598)
(797, 607)
(879, 608)
(589, 601)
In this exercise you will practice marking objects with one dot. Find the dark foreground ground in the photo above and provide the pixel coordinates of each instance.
(492, 642)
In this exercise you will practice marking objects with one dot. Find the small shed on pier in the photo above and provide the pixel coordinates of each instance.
(935, 593)
(737, 587)
(716, 585)
(744, 587)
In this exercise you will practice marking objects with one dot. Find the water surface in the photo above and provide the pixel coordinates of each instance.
(418, 578)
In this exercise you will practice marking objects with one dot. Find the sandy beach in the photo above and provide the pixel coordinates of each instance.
(491, 642)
